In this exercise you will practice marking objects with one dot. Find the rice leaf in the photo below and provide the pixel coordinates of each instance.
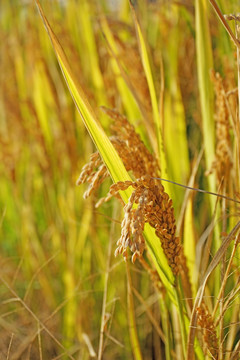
(108, 153)
(127, 97)
(132, 100)
(205, 64)
(153, 95)
(189, 241)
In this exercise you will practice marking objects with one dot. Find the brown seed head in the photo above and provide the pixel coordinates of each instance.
(132, 151)
(205, 321)
(154, 207)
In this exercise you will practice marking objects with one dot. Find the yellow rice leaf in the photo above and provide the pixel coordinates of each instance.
(189, 241)
(153, 95)
(204, 65)
(127, 97)
(108, 153)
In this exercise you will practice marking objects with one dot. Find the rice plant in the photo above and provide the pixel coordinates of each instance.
(120, 160)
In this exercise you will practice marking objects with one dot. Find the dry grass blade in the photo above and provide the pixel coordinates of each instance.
(224, 22)
(40, 343)
(151, 316)
(9, 347)
(17, 298)
(230, 298)
(201, 190)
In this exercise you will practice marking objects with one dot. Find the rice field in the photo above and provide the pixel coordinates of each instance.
(119, 178)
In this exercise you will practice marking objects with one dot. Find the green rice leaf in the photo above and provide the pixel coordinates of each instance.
(204, 65)
(127, 96)
(108, 153)
(131, 319)
(153, 95)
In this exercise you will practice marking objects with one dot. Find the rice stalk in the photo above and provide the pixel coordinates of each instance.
(136, 349)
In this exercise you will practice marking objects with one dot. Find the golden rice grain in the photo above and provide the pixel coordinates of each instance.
(154, 207)
(148, 203)
(131, 149)
(205, 321)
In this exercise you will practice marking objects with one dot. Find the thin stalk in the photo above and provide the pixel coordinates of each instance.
(27, 308)
(224, 22)
(200, 190)
(182, 318)
(151, 318)
(104, 301)
(226, 272)
(223, 276)
(9, 346)
(229, 302)
(40, 343)
(131, 318)
(164, 315)
(237, 26)
(235, 39)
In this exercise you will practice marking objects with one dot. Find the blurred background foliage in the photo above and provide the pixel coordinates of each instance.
(55, 245)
